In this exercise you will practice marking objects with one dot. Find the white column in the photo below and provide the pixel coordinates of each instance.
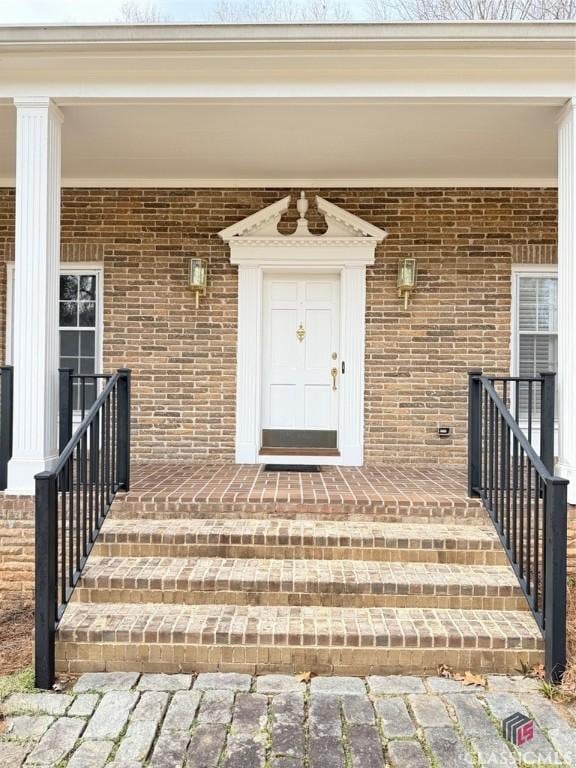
(567, 297)
(35, 348)
(248, 365)
(352, 353)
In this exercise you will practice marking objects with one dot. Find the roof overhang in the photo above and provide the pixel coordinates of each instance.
(117, 36)
(304, 105)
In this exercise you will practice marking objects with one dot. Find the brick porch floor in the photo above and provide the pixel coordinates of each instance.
(248, 484)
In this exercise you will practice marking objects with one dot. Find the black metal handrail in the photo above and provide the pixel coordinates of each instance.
(77, 394)
(526, 502)
(72, 502)
(6, 421)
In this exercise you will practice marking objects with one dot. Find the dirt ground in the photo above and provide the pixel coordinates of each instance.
(16, 628)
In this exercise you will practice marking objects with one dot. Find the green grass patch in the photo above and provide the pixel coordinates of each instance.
(18, 682)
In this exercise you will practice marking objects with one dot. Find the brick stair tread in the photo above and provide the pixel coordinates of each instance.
(279, 532)
(296, 576)
(208, 624)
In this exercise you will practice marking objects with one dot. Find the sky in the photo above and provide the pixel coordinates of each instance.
(84, 11)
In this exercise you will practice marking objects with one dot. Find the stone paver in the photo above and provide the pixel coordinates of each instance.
(395, 684)
(216, 707)
(47, 703)
(342, 686)
(447, 748)
(137, 741)
(164, 682)
(13, 755)
(206, 746)
(106, 681)
(366, 749)
(429, 711)
(91, 754)
(57, 742)
(83, 705)
(275, 721)
(228, 681)
(111, 715)
(182, 711)
(470, 714)
(277, 684)
(151, 706)
(402, 754)
(170, 749)
(394, 717)
(287, 711)
(28, 726)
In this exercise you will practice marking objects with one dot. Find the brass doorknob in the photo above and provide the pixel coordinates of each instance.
(334, 373)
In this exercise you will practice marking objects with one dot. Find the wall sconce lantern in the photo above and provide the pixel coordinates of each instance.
(406, 279)
(198, 277)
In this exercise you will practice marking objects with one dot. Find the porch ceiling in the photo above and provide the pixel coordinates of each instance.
(292, 142)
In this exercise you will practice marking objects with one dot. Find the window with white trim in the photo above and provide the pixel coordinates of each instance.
(535, 326)
(78, 328)
(79, 322)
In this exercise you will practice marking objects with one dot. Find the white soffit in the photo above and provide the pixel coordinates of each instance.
(301, 144)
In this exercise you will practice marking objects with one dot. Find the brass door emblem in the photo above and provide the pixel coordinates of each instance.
(300, 333)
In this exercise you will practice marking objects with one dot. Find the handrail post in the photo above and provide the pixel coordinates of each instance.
(45, 577)
(547, 406)
(65, 416)
(123, 430)
(555, 579)
(6, 421)
(474, 432)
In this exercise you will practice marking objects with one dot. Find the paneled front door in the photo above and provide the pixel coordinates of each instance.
(300, 363)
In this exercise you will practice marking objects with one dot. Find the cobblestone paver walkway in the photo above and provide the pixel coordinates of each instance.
(127, 720)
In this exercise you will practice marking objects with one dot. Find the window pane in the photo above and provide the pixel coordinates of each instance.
(68, 313)
(69, 343)
(538, 304)
(547, 304)
(69, 362)
(88, 287)
(87, 314)
(87, 343)
(68, 287)
(87, 365)
(536, 353)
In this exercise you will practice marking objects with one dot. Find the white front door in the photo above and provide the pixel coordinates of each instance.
(301, 360)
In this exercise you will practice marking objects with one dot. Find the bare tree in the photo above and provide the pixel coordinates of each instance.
(269, 11)
(473, 10)
(133, 12)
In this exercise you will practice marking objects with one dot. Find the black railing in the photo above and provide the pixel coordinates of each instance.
(526, 502)
(6, 421)
(77, 394)
(72, 502)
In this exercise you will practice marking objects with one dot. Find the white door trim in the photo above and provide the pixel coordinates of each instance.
(249, 371)
(347, 247)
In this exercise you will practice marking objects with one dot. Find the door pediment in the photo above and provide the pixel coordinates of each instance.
(259, 231)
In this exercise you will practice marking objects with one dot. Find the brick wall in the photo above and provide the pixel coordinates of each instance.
(184, 359)
(16, 547)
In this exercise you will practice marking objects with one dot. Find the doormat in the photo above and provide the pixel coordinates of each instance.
(291, 468)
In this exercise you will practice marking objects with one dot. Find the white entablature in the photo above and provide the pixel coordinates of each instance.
(260, 230)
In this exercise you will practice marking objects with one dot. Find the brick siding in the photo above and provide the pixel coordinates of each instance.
(184, 359)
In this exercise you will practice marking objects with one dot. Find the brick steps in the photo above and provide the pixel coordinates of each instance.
(258, 639)
(286, 582)
(343, 571)
(289, 539)
(392, 510)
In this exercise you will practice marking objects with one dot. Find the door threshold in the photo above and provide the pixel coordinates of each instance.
(299, 451)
